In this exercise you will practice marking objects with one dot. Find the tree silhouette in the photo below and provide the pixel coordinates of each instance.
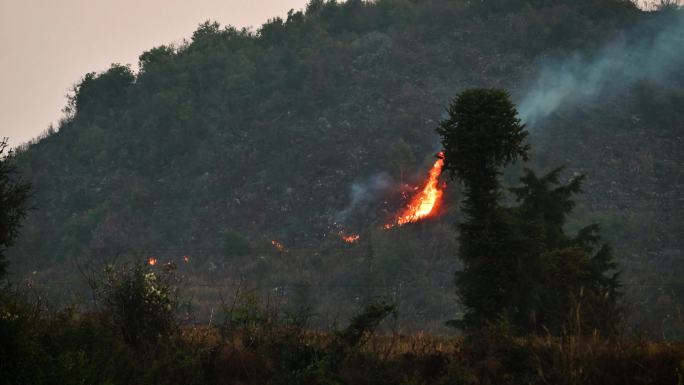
(14, 195)
(519, 267)
(481, 135)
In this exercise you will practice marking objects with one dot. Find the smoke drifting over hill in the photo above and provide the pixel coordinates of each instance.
(644, 53)
(362, 195)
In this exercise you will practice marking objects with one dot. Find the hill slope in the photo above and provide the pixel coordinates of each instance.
(240, 138)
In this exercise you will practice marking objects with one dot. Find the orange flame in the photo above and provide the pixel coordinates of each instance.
(152, 261)
(186, 258)
(277, 245)
(423, 204)
(352, 238)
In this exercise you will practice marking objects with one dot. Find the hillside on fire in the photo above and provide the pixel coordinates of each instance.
(301, 160)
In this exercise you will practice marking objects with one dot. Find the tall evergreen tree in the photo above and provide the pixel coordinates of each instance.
(481, 135)
(580, 277)
(519, 266)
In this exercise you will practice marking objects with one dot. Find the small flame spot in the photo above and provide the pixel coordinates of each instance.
(152, 261)
(277, 245)
(352, 238)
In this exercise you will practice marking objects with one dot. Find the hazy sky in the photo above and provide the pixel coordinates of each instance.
(48, 45)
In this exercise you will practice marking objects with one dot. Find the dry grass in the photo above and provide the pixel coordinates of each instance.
(569, 360)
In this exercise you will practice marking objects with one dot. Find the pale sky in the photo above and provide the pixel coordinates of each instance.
(46, 46)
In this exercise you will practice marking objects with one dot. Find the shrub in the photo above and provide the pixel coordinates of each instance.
(140, 302)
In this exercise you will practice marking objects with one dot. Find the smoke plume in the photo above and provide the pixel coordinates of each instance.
(646, 52)
(363, 195)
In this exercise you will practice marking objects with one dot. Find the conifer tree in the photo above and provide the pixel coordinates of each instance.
(519, 266)
(481, 135)
(579, 288)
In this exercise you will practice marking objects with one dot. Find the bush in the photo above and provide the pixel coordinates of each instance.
(140, 302)
(72, 347)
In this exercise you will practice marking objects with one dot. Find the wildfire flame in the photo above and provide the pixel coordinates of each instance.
(277, 245)
(152, 261)
(423, 204)
(186, 258)
(352, 238)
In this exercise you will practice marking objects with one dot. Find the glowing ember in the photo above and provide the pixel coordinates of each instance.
(352, 238)
(186, 259)
(277, 245)
(152, 261)
(423, 204)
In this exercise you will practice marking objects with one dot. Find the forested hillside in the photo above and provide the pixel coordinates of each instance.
(312, 125)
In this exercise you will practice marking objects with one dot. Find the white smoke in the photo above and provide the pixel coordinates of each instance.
(565, 83)
(363, 194)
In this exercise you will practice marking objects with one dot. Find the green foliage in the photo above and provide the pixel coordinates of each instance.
(481, 134)
(44, 347)
(14, 194)
(520, 267)
(545, 204)
(278, 340)
(365, 322)
(141, 302)
(285, 351)
(581, 289)
(588, 8)
(107, 91)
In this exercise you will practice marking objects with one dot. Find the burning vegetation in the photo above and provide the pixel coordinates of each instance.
(278, 246)
(349, 238)
(423, 202)
(426, 201)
